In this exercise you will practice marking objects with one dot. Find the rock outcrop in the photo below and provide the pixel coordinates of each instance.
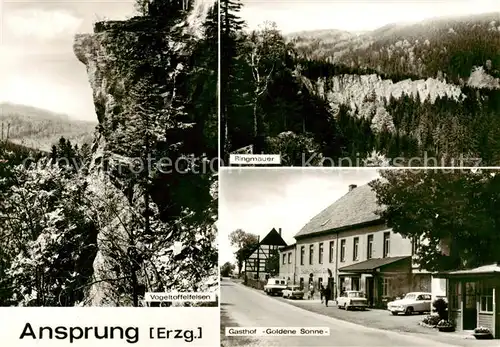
(366, 94)
(112, 56)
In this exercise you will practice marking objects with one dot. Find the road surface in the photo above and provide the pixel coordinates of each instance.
(245, 307)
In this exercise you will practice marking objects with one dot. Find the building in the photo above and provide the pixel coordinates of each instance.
(263, 262)
(474, 298)
(287, 263)
(348, 247)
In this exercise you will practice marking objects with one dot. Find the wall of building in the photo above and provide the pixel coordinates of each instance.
(399, 246)
(287, 267)
(258, 260)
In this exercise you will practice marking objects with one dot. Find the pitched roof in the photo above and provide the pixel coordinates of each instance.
(358, 206)
(371, 264)
(273, 238)
(482, 270)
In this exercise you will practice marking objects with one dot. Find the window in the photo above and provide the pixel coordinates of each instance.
(369, 247)
(311, 254)
(355, 247)
(387, 243)
(385, 287)
(320, 253)
(284, 258)
(290, 258)
(342, 250)
(354, 294)
(415, 244)
(302, 254)
(486, 299)
(332, 251)
(355, 283)
(320, 283)
(456, 295)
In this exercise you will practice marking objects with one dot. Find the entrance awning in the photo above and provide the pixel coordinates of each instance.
(482, 271)
(372, 265)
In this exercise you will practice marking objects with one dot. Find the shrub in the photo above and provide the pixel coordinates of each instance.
(482, 330)
(441, 307)
(431, 320)
(444, 324)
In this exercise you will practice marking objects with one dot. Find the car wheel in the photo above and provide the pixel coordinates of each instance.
(409, 310)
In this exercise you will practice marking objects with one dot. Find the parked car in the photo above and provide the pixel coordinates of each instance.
(412, 302)
(275, 286)
(352, 299)
(293, 292)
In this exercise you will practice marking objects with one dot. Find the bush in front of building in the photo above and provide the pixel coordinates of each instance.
(445, 326)
(431, 320)
(483, 333)
(441, 307)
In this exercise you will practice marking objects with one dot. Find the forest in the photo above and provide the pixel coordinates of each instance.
(271, 104)
(80, 225)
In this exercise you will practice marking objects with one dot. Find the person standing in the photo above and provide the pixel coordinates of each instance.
(322, 293)
(326, 295)
(311, 291)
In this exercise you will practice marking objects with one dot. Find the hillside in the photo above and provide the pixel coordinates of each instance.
(447, 48)
(37, 128)
(403, 91)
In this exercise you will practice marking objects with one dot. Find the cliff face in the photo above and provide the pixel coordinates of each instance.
(114, 57)
(365, 94)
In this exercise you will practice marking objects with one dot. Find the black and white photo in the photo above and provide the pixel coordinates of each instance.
(405, 257)
(108, 152)
(361, 83)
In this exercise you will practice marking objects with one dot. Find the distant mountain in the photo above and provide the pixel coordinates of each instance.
(450, 48)
(40, 129)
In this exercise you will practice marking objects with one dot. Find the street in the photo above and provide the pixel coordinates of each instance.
(245, 307)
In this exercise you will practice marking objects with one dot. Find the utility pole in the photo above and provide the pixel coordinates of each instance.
(8, 131)
(258, 258)
(2, 132)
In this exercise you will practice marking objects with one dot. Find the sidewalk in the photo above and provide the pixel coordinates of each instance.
(382, 319)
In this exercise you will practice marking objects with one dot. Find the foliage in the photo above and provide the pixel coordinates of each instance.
(441, 307)
(432, 320)
(482, 330)
(244, 243)
(271, 85)
(443, 323)
(226, 270)
(73, 234)
(272, 263)
(456, 213)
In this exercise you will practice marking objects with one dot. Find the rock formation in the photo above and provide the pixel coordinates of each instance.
(113, 57)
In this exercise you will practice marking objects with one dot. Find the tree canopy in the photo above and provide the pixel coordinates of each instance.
(455, 215)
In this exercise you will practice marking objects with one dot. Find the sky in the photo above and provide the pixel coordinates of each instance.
(37, 64)
(355, 15)
(257, 200)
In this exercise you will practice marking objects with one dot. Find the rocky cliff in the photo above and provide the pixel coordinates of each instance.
(117, 56)
(365, 95)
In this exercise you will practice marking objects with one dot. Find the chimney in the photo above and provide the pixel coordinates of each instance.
(352, 186)
(279, 231)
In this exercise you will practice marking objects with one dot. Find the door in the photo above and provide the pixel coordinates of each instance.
(470, 306)
(423, 303)
(369, 290)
